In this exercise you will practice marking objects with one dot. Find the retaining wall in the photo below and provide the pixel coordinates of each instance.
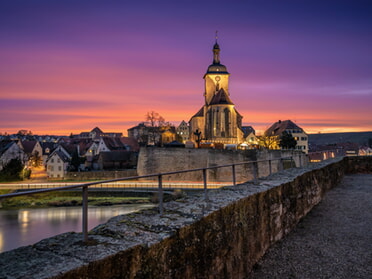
(99, 175)
(159, 160)
(221, 238)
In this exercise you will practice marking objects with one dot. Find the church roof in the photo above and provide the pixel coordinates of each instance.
(216, 67)
(200, 113)
(221, 98)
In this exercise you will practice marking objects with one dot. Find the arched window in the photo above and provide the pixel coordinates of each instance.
(227, 122)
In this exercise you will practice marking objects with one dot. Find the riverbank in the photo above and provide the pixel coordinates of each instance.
(74, 198)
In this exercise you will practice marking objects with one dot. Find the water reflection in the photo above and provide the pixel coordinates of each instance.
(27, 226)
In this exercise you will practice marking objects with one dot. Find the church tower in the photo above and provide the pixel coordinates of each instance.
(217, 121)
(216, 76)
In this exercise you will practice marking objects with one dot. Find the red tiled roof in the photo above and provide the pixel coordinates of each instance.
(279, 127)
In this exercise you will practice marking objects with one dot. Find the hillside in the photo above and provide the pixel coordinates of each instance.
(360, 138)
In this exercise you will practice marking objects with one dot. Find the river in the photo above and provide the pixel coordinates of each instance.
(27, 226)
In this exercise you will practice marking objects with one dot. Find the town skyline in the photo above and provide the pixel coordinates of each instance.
(69, 67)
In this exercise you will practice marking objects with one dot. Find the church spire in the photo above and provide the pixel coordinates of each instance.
(216, 52)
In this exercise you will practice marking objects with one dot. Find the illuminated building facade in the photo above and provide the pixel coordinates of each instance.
(217, 121)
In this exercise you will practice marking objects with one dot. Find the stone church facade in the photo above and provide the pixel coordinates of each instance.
(217, 121)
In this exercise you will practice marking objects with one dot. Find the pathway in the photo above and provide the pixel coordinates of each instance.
(333, 241)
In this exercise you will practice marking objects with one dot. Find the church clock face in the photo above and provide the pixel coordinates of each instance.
(217, 78)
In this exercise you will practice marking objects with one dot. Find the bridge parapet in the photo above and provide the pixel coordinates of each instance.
(193, 238)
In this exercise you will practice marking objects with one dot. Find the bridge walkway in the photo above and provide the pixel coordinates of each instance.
(333, 241)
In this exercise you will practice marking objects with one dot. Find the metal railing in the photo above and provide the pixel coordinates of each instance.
(159, 176)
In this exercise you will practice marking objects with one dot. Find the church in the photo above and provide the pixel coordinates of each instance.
(217, 121)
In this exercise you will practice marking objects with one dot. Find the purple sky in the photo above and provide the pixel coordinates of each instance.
(69, 66)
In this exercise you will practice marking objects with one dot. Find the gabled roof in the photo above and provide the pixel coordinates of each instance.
(50, 145)
(114, 143)
(279, 127)
(5, 145)
(247, 130)
(28, 145)
(62, 155)
(221, 98)
(97, 130)
(70, 148)
(139, 126)
(131, 142)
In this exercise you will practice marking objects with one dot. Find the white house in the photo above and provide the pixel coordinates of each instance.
(57, 163)
(10, 150)
(183, 131)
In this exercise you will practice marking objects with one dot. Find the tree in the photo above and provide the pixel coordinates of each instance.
(12, 170)
(287, 141)
(156, 121)
(36, 159)
(76, 160)
(268, 141)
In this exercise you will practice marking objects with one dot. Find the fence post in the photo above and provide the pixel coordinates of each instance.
(205, 184)
(233, 175)
(85, 213)
(160, 194)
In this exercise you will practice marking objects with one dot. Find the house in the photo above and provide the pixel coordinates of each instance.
(9, 150)
(90, 150)
(58, 163)
(168, 134)
(33, 150)
(152, 135)
(365, 151)
(97, 133)
(278, 128)
(107, 144)
(183, 131)
(118, 159)
(130, 143)
(250, 138)
(250, 142)
(48, 148)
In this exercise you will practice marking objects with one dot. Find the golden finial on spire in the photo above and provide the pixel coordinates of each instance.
(216, 35)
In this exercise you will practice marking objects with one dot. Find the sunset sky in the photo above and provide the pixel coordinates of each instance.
(69, 66)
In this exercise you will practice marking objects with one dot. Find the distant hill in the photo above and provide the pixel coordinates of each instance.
(360, 138)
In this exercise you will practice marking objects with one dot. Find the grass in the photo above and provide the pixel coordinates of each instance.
(65, 198)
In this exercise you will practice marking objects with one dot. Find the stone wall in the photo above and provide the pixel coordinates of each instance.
(99, 175)
(159, 160)
(220, 238)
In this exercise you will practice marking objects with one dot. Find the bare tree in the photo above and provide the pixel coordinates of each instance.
(156, 121)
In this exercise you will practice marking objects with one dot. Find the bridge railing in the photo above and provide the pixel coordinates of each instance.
(159, 183)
